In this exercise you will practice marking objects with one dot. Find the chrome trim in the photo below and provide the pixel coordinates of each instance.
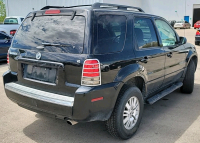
(40, 95)
(40, 61)
(98, 72)
(14, 73)
(13, 53)
(40, 81)
(71, 84)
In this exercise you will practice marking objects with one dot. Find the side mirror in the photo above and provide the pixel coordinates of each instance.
(183, 40)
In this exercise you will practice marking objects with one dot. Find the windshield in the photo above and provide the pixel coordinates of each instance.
(67, 34)
(11, 21)
(180, 22)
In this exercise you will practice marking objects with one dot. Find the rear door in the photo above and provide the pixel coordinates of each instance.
(49, 51)
(4, 45)
(174, 52)
(149, 54)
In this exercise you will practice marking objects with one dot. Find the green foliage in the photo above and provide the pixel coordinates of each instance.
(2, 11)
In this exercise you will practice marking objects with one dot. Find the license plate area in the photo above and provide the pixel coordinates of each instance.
(40, 74)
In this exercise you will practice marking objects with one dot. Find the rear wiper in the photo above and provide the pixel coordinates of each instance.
(52, 44)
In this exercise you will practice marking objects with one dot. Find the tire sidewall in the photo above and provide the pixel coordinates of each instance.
(131, 92)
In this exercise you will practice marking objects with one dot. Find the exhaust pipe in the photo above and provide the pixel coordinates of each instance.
(70, 122)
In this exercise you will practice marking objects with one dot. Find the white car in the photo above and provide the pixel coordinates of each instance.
(182, 24)
(11, 24)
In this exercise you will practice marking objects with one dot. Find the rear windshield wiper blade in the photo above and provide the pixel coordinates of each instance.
(52, 44)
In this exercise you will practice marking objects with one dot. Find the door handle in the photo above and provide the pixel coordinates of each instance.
(145, 59)
(169, 54)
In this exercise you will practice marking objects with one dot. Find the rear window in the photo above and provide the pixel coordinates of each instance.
(111, 31)
(59, 30)
(11, 21)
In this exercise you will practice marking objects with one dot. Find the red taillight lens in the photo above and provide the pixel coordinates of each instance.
(12, 32)
(198, 33)
(91, 75)
(52, 11)
(7, 58)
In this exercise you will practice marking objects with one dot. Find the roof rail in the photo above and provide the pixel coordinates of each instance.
(100, 6)
(121, 7)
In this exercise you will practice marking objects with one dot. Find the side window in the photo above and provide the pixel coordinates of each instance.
(22, 19)
(145, 33)
(3, 37)
(167, 35)
(111, 31)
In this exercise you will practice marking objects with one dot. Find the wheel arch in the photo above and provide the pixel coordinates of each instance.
(192, 56)
(131, 75)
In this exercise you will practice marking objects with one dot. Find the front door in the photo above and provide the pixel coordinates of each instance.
(148, 52)
(174, 52)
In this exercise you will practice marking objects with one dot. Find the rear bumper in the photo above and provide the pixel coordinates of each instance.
(177, 26)
(78, 108)
(197, 38)
(197, 26)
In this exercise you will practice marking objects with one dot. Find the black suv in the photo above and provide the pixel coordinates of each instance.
(101, 62)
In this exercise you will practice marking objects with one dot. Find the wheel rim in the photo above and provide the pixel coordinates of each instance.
(131, 113)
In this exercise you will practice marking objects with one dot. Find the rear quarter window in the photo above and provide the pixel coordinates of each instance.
(111, 31)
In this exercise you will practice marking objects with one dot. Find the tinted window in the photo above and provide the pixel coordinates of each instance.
(54, 30)
(3, 37)
(111, 30)
(145, 33)
(11, 21)
(22, 19)
(167, 35)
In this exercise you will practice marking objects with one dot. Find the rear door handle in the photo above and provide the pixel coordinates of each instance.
(145, 59)
(169, 54)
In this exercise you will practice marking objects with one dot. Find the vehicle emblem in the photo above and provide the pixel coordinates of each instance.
(38, 55)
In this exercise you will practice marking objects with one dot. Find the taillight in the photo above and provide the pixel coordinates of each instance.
(91, 75)
(8, 58)
(198, 33)
(12, 32)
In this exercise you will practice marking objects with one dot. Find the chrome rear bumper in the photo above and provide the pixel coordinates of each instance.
(40, 95)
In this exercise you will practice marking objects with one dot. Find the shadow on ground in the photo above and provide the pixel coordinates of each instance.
(165, 121)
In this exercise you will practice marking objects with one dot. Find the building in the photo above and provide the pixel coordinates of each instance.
(169, 9)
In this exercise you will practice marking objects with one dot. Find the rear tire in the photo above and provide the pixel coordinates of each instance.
(127, 114)
(196, 43)
(188, 82)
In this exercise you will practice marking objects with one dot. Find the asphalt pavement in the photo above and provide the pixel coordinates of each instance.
(175, 118)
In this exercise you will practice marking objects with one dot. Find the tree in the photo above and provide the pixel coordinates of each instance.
(2, 11)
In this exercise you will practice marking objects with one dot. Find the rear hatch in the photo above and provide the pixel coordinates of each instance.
(47, 51)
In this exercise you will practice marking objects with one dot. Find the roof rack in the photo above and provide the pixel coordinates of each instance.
(100, 6)
(110, 6)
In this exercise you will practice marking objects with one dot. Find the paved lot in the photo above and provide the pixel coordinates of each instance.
(176, 118)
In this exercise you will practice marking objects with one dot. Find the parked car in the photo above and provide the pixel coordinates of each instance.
(197, 37)
(172, 22)
(5, 41)
(182, 24)
(97, 64)
(197, 24)
(11, 24)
